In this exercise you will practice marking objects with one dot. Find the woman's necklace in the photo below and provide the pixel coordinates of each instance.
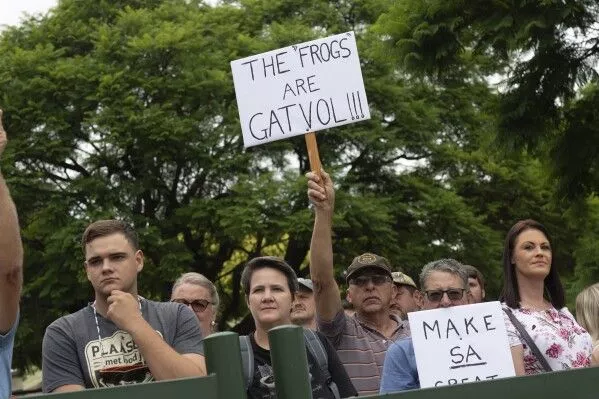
(545, 306)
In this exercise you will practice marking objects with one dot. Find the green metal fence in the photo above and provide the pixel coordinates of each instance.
(204, 388)
(288, 355)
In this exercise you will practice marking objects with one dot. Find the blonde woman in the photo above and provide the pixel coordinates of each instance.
(196, 291)
(587, 314)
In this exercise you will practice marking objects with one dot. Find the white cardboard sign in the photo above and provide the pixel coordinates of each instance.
(461, 344)
(298, 89)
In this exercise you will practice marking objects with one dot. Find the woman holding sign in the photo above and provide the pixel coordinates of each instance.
(543, 334)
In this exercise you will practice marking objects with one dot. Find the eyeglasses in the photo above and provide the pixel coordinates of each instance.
(199, 305)
(454, 294)
(376, 279)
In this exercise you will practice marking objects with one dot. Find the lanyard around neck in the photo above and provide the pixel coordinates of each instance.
(93, 305)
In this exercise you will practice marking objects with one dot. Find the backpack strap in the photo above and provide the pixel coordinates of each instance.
(318, 351)
(247, 359)
(527, 338)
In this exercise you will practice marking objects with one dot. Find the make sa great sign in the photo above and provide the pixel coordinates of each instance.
(461, 344)
(298, 89)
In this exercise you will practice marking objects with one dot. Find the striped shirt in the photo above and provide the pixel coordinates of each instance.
(361, 348)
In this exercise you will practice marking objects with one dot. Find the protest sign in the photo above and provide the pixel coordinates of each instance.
(461, 344)
(299, 89)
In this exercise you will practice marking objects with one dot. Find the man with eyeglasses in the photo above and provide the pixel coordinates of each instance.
(445, 284)
(197, 292)
(11, 276)
(361, 341)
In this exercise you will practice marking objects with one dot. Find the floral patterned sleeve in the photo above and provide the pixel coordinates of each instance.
(560, 339)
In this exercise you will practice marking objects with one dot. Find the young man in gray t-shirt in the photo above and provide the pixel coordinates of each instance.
(120, 338)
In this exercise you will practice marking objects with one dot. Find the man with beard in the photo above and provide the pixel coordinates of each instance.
(476, 282)
(11, 276)
(361, 341)
(120, 338)
(303, 312)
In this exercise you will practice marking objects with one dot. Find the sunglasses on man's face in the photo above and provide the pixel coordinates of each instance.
(199, 305)
(454, 294)
(377, 279)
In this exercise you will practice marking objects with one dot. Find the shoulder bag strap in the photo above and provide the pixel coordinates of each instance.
(531, 344)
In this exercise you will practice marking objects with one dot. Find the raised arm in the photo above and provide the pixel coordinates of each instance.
(11, 252)
(326, 290)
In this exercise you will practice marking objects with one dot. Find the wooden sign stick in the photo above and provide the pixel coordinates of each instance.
(315, 165)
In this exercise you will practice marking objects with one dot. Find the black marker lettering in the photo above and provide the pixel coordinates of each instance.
(312, 83)
(360, 102)
(286, 108)
(455, 353)
(488, 323)
(251, 67)
(274, 121)
(302, 54)
(309, 119)
(468, 322)
(299, 83)
(451, 326)
(333, 110)
(265, 66)
(348, 51)
(288, 88)
(279, 63)
(314, 52)
(349, 106)
(321, 101)
(252, 130)
(433, 328)
(353, 97)
(327, 52)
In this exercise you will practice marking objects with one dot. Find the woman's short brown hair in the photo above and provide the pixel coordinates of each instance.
(268, 262)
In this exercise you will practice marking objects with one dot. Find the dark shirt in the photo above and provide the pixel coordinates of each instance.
(263, 385)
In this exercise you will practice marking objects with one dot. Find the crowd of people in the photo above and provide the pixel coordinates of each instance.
(360, 345)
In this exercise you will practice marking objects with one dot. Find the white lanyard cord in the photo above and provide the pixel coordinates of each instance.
(102, 353)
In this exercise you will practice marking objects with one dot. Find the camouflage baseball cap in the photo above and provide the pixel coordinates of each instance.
(367, 260)
(305, 282)
(403, 279)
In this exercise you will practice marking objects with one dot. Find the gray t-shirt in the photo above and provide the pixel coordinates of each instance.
(72, 353)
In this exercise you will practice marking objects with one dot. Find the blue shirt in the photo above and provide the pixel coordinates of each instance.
(6, 344)
(399, 371)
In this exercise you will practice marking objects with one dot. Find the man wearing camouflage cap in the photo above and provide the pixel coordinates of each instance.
(407, 296)
(303, 310)
(361, 341)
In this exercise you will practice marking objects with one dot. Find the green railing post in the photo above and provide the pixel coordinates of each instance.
(223, 358)
(289, 362)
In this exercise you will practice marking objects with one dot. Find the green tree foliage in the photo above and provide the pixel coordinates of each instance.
(545, 53)
(546, 50)
(127, 109)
